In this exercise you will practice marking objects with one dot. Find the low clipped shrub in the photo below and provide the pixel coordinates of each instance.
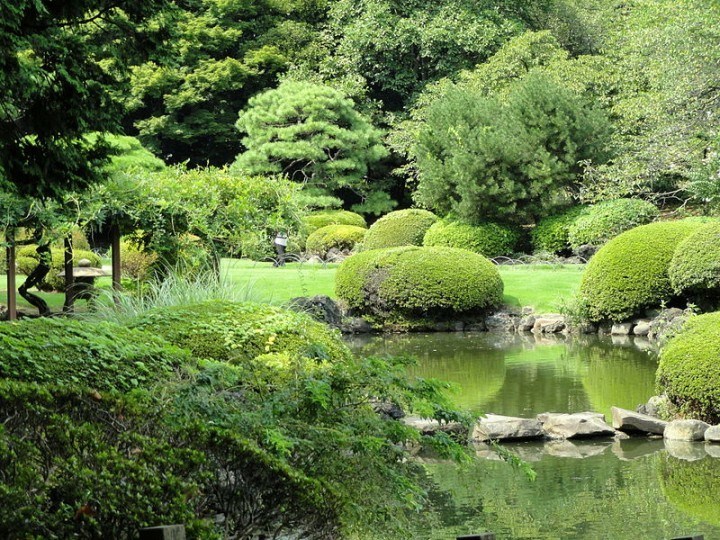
(399, 228)
(136, 263)
(341, 237)
(689, 371)
(28, 259)
(605, 220)
(695, 267)
(630, 273)
(68, 352)
(317, 220)
(412, 282)
(488, 239)
(552, 233)
(237, 332)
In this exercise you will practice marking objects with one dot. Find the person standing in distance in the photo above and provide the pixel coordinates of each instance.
(280, 245)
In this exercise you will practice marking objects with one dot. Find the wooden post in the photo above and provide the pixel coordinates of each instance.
(115, 245)
(69, 277)
(164, 532)
(11, 285)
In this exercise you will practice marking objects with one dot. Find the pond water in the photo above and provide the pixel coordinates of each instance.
(636, 489)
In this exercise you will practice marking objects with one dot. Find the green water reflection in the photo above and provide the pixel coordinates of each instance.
(633, 489)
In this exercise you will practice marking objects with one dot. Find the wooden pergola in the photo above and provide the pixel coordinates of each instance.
(69, 278)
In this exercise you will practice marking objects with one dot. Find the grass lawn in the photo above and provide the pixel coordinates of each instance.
(543, 287)
(54, 300)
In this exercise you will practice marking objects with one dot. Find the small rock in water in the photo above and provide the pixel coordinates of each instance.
(686, 430)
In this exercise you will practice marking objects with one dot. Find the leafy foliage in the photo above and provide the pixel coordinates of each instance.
(551, 234)
(341, 237)
(630, 272)
(689, 372)
(488, 239)
(310, 132)
(333, 217)
(399, 228)
(603, 221)
(409, 283)
(513, 159)
(695, 267)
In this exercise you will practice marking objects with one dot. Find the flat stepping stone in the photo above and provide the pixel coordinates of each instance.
(504, 428)
(686, 430)
(577, 425)
(633, 422)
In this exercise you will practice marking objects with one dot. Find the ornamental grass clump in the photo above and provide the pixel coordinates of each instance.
(340, 237)
(630, 273)
(399, 228)
(488, 239)
(695, 267)
(689, 371)
(416, 283)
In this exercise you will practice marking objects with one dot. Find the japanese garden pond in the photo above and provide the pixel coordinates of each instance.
(600, 489)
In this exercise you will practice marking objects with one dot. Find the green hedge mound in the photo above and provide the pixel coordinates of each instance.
(28, 259)
(605, 220)
(341, 237)
(552, 233)
(318, 220)
(695, 267)
(411, 283)
(399, 228)
(67, 352)
(235, 332)
(689, 371)
(630, 273)
(488, 239)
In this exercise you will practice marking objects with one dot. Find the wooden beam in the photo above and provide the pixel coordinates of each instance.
(11, 284)
(115, 245)
(69, 277)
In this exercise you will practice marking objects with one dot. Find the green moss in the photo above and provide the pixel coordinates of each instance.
(695, 267)
(488, 239)
(692, 487)
(317, 220)
(689, 371)
(630, 273)
(104, 356)
(551, 234)
(603, 221)
(410, 283)
(400, 228)
(234, 332)
(342, 237)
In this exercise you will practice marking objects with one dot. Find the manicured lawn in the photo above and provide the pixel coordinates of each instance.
(540, 286)
(54, 300)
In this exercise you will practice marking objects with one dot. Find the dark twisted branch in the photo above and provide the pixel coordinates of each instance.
(35, 278)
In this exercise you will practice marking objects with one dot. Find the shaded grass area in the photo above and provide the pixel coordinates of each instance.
(544, 287)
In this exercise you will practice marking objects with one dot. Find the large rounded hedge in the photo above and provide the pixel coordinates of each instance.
(342, 237)
(551, 234)
(412, 282)
(399, 228)
(316, 220)
(630, 273)
(695, 267)
(67, 352)
(689, 370)
(489, 239)
(605, 220)
(234, 332)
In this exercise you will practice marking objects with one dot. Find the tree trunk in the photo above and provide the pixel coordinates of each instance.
(68, 306)
(35, 278)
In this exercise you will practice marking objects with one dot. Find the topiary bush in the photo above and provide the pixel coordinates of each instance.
(316, 220)
(237, 332)
(341, 237)
(399, 228)
(605, 220)
(68, 352)
(409, 283)
(689, 371)
(630, 273)
(695, 267)
(551, 234)
(488, 239)
(28, 259)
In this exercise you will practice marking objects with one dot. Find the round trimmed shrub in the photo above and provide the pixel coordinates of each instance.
(342, 237)
(399, 228)
(695, 267)
(551, 234)
(689, 371)
(28, 259)
(605, 220)
(318, 220)
(412, 282)
(488, 239)
(67, 352)
(630, 272)
(236, 332)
